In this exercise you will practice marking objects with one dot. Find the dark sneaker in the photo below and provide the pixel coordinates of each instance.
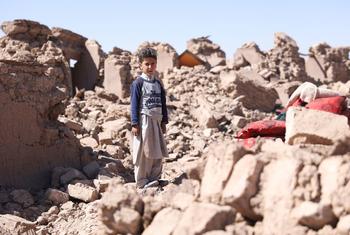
(163, 182)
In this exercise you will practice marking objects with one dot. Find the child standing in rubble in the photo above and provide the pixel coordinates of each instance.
(148, 119)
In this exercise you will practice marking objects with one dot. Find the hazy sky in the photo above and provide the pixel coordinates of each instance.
(126, 24)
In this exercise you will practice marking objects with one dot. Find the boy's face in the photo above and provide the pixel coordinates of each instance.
(148, 66)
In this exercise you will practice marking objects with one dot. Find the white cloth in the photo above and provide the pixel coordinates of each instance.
(150, 142)
(148, 147)
(308, 92)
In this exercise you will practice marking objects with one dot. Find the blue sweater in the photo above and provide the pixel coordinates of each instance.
(147, 97)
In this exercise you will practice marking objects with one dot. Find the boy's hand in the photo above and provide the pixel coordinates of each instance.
(135, 130)
(163, 126)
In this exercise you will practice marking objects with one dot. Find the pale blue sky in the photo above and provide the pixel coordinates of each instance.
(126, 24)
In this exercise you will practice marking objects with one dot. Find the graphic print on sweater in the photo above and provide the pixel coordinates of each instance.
(151, 95)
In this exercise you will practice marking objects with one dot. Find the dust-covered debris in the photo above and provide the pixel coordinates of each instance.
(69, 135)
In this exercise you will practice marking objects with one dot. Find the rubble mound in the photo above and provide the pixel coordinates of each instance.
(65, 148)
(207, 51)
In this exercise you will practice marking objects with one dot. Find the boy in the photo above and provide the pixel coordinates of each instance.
(149, 117)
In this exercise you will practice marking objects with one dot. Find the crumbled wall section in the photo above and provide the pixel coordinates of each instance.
(117, 76)
(327, 64)
(87, 53)
(284, 59)
(86, 72)
(207, 51)
(34, 82)
(71, 43)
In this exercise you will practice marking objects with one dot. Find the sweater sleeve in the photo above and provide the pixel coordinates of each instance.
(135, 98)
(164, 108)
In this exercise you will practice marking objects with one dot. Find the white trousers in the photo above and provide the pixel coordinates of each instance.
(149, 148)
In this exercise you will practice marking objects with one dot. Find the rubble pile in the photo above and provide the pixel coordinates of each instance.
(247, 55)
(282, 63)
(215, 184)
(327, 64)
(284, 59)
(207, 51)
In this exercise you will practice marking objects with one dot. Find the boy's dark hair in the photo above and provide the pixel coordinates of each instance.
(147, 52)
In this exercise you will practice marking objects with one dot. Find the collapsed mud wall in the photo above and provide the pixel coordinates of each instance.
(327, 64)
(35, 80)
